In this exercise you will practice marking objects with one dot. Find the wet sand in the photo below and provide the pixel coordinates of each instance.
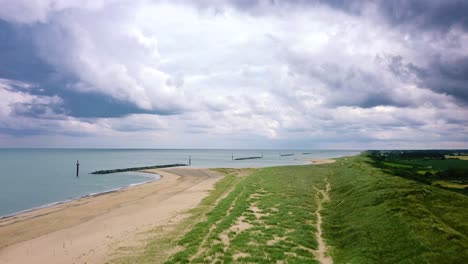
(88, 230)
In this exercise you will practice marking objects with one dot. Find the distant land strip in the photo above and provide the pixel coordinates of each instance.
(138, 168)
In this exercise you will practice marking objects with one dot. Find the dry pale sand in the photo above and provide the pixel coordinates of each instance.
(322, 161)
(88, 230)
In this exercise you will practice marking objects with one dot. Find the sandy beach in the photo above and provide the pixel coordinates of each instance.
(88, 230)
(322, 161)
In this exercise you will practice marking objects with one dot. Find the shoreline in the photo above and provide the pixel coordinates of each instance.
(89, 195)
(96, 194)
(316, 161)
(90, 229)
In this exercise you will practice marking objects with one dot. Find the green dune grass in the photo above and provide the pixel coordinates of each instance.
(375, 217)
(269, 217)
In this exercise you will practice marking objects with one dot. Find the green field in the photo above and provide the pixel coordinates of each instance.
(449, 173)
(437, 164)
(457, 157)
(397, 165)
(271, 216)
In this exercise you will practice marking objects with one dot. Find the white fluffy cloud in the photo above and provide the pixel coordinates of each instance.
(315, 74)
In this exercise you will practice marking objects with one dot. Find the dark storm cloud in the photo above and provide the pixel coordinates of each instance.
(89, 105)
(421, 14)
(429, 14)
(456, 69)
(450, 77)
(19, 60)
(355, 87)
(426, 14)
(417, 14)
(96, 105)
(445, 76)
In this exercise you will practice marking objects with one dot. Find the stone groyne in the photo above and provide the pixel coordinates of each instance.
(137, 168)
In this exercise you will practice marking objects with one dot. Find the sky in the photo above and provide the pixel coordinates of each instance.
(305, 74)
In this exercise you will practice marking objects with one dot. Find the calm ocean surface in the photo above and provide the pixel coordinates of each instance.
(31, 178)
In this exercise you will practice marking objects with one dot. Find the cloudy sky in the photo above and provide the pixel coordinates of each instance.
(340, 74)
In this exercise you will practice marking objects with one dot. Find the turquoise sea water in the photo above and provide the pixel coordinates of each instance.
(31, 178)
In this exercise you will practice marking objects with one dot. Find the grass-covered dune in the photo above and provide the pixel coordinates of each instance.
(375, 217)
(345, 212)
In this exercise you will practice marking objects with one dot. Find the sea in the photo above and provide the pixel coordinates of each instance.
(35, 178)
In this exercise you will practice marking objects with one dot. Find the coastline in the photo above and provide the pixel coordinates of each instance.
(32, 187)
(91, 228)
(94, 194)
(88, 229)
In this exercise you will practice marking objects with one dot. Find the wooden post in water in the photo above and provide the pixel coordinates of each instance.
(190, 160)
(77, 168)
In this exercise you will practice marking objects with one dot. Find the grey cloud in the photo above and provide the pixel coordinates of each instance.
(240, 86)
(339, 4)
(38, 110)
(22, 132)
(435, 14)
(133, 128)
(346, 85)
(449, 77)
(406, 71)
(456, 69)
(29, 12)
(430, 14)
(438, 15)
(455, 121)
(444, 76)
(265, 6)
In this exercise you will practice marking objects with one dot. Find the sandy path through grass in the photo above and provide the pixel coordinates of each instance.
(322, 196)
